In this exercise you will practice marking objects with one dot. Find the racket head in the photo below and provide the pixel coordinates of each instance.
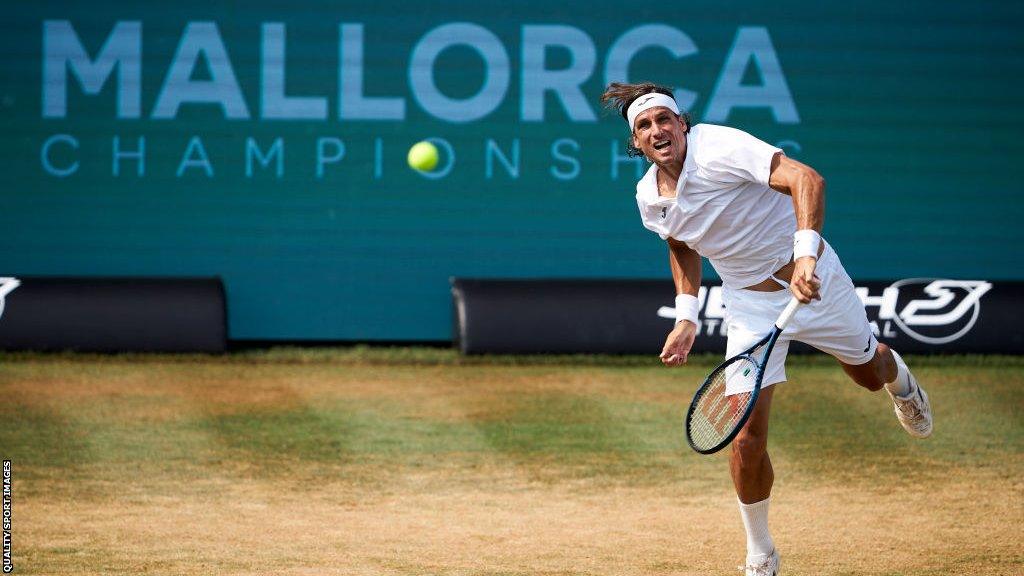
(714, 417)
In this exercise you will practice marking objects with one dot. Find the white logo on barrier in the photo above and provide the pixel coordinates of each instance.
(941, 308)
(940, 312)
(6, 286)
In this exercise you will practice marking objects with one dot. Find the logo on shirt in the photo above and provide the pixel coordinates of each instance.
(664, 212)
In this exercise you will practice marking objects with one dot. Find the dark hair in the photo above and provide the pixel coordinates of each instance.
(619, 95)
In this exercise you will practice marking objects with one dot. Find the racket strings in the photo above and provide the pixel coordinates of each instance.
(717, 412)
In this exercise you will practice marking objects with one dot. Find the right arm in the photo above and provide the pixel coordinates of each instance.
(685, 265)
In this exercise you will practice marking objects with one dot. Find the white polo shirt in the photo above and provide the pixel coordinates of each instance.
(724, 209)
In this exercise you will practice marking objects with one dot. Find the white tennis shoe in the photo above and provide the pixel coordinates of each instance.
(762, 565)
(913, 410)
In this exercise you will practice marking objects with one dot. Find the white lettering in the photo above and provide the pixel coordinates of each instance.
(201, 38)
(252, 150)
(715, 307)
(752, 44)
(201, 49)
(556, 152)
(352, 104)
(890, 331)
(678, 44)
(321, 149)
(710, 325)
(492, 151)
(537, 80)
(378, 158)
(496, 75)
(886, 302)
(62, 49)
(44, 155)
(275, 104)
(195, 146)
(7, 285)
(138, 154)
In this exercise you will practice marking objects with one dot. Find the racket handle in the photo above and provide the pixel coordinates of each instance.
(787, 314)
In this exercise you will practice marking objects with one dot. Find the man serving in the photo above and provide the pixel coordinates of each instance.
(756, 215)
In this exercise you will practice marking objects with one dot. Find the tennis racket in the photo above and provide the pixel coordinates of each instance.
(715, 417)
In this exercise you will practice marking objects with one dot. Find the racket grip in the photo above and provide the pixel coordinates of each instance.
(787, 314)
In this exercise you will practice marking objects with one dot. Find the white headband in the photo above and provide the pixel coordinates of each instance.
(648, 101)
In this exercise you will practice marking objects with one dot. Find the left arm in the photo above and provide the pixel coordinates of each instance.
(807, 188)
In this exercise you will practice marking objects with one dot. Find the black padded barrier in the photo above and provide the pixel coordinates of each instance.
(113, 314)
(917, 315)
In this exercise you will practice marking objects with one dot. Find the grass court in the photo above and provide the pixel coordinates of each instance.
(360, 461)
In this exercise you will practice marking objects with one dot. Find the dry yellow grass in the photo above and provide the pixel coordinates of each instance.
(228, 467)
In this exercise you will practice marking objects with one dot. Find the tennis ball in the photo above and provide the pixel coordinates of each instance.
(423, 156)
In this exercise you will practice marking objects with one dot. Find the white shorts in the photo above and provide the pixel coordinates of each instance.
(837, 324)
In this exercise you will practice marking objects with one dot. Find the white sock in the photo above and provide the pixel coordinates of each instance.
(755, 521)
(901, 385)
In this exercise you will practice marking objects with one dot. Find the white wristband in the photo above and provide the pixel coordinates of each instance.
(805, 243)
(687, 308)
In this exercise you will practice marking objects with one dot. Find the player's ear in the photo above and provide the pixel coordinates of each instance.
(684, 119)
(636, 143)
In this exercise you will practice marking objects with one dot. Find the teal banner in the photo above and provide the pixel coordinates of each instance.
(266, 143)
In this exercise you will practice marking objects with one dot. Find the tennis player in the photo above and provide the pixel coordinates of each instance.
(720, 193)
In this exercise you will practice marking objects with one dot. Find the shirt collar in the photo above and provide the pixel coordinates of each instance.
(689, 165)
(647, 187)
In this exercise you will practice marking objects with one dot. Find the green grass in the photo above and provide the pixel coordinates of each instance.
(632, 412)
(132, 430)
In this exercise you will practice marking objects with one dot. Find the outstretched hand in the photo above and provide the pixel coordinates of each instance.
(805, 284)
(678, 344)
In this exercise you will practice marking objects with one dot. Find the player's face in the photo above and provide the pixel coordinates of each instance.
(661, 135)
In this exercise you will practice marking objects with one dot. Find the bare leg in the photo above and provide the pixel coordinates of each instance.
(911, 402)
(874, 373)
(749, 463)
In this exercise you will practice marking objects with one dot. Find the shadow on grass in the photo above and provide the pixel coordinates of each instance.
(33, 436)
(555, 436)
(832, 429)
